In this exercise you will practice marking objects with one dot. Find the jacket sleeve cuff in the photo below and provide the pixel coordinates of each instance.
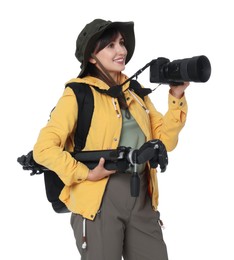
(82, 173)
(177, 103)
(178, 108)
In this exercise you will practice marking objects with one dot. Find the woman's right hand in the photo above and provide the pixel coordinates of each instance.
(99, 172)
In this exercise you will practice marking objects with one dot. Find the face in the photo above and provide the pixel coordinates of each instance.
(113, 56)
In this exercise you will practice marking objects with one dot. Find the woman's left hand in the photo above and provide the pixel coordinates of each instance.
(178, 91)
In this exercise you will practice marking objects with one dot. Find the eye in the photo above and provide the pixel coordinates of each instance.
(111, 45)
(122, 43)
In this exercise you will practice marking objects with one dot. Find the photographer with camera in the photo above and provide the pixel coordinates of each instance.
(107, 221)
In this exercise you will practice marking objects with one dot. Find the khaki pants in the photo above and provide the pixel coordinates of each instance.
(125, 226)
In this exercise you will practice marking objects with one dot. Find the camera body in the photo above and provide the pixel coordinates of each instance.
(196, 69)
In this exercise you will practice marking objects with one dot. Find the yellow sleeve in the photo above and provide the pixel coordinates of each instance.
(49, 148)
(167, 127)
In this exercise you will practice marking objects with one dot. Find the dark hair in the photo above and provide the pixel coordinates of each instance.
(108, 36)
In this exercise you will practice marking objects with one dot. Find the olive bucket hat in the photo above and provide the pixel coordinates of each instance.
(92, 32)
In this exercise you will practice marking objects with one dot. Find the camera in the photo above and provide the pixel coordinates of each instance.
(164, 71)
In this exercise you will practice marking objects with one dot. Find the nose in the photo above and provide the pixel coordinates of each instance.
(121, 49)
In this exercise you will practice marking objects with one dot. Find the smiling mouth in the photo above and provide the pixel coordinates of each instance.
(120, 60)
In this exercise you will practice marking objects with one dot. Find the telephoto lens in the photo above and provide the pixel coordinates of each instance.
(196, 69)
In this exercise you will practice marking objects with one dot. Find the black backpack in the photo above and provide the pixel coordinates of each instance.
(85, 101)
(53, 184)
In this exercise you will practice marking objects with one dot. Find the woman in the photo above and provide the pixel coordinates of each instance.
(107, 222)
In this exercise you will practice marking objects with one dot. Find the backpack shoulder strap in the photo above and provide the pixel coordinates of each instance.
(85, 101)
(137, 88)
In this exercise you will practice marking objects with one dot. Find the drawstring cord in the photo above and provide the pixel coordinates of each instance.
(161, 224)
(137, 99)
(84, 245)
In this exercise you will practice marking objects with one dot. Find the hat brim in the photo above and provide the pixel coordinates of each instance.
(127, 28)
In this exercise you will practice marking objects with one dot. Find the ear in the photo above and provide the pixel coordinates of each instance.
(92, 60)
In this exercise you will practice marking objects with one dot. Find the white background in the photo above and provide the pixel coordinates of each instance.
(37, 57)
